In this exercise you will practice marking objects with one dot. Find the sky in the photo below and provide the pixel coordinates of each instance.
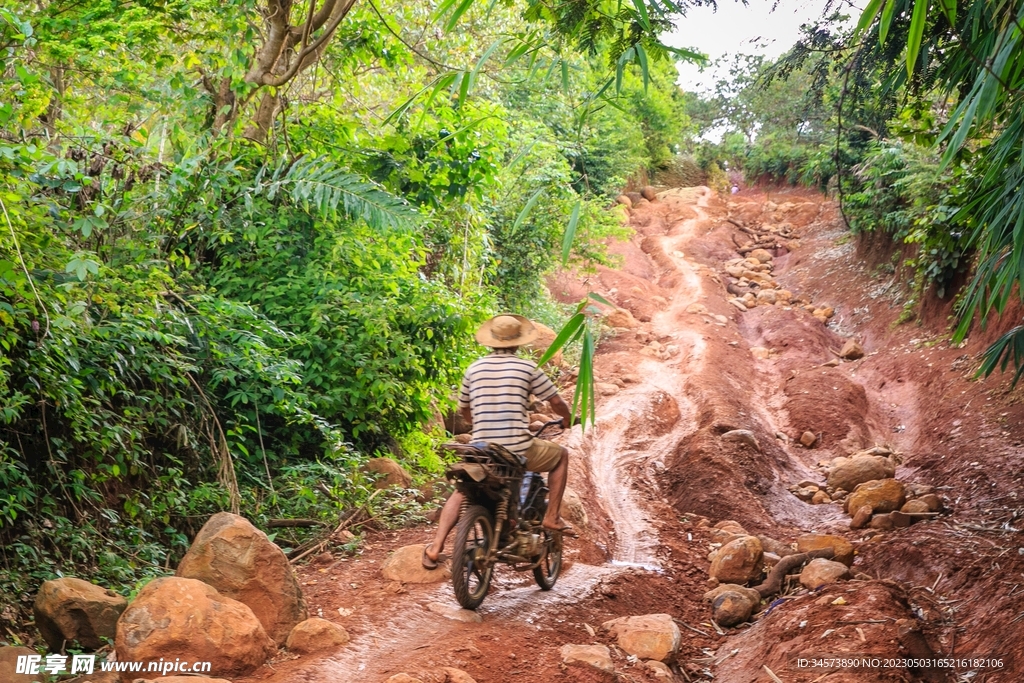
(735, 28)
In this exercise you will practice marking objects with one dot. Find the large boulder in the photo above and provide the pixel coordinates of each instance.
(597, 656)
(239, 560)
(316, 635)
(848, 473)
(9, 664)
(842, 549)
(71, 609)
(738, 561)
(405, 565)
(174, 617)
(882, 495)
(620, 317)
(572, 507)
(821, 572)
(650, 636)
(390, 473)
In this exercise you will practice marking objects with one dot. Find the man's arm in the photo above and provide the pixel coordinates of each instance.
(562, 409)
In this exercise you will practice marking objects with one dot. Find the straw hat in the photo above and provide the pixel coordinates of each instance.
(504, 331)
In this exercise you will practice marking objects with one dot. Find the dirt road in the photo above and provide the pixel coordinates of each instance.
(655, 474)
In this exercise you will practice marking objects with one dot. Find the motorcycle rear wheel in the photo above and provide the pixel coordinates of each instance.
(546, 573)
(471, 573)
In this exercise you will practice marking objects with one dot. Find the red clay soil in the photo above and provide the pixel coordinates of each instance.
(654, 474)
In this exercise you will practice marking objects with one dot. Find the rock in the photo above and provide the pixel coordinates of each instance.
(650, 636)
(649, 193)
(918, 490)
(698, 309)
(625, 201)
(392, 473)
(597, 656)
(545, 335)
(750, 593)
(899, 519)
(915, 505)
(572, 507)
(766, 296)
(620, 317)
(760, 352)
(881, 495)
(806, 494)
(454, 613)
(842, 549)
(840, 494)
(762, 255)
(316, 635)
(659, 669)
(828, 311)
(784, 296)
(744, 436)
(807, 483)
(848, 473)
(820, 498)
(403, 678)
(405, 565)
(731, 608)
(70, 609)
(821, 317)
(9, 664)
(851, 350)
(770, 545)
(821, 572)
(933, 502)
(536, 426)
(456, 676)
(808, 439)
(738, 561)
(463, 438)
(738, 303)
(881, 522)
(861, 517)
(176, 617)
(239, 560)
(605, 388)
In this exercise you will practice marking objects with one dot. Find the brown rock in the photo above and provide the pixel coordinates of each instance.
(572, 507)
(174, 617)
(9, 664)
(820, 497)
(881, 522)
(744, 436)
(597, 656)
(915, 505)
(762, 255)
(649, 193)
(738, 561)
(808, 439)
(900, 519)
(660, 669)
(842, 549)
(915, 490)
(847, 473)
(851, 350)
(239, 560)
(750, 593)
(605, 388)
(392, 474)
(828, 311)
(620, 317)
(770, 545)
(806, 494)
(861, 517)
(316, 635)
(933, 502)
(70, 609)
(456, 676)
(731, 608)
(881, 495)
(405, 565)
(650, 636)
(625, 201)
(545, 335)
(820, 572)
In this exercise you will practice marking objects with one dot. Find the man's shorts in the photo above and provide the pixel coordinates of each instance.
(543, 456)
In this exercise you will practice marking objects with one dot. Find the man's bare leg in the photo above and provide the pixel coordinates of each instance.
(556, 487)
(445, 523)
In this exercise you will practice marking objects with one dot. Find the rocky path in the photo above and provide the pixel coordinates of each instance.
(708, 384)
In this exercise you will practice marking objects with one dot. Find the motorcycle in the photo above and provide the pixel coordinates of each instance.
(500, 520)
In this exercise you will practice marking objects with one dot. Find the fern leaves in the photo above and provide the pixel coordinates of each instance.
(326, 188)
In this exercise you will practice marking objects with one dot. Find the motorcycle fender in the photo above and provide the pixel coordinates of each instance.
(475, 472)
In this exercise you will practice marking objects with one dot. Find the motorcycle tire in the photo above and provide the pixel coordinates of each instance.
(472, 541)
(546, 573)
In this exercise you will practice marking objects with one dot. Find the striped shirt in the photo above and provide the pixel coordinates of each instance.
(497, 388)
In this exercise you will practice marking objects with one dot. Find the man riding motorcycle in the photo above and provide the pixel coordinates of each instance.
(494, 396)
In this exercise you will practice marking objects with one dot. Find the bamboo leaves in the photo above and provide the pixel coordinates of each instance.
(577, 329)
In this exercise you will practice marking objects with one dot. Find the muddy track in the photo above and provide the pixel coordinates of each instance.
(654, 474)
